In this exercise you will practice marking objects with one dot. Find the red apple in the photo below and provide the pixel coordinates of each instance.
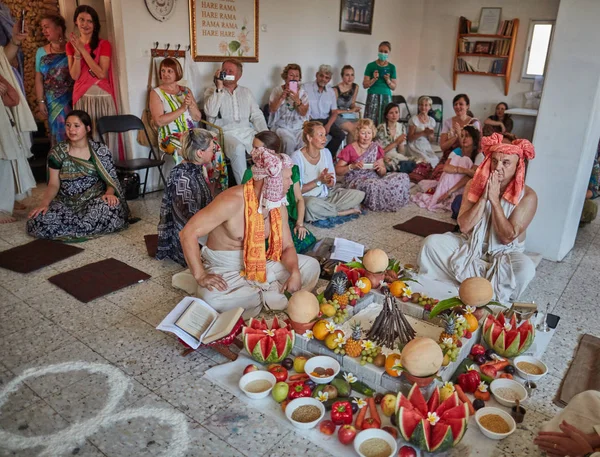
(407, 451)
(346, 434)
(404, 298)
(391, 430)
(250, 368)
(273, 365)
(279, 372)
(327, 427)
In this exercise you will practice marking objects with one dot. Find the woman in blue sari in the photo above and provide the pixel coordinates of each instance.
(53, 83)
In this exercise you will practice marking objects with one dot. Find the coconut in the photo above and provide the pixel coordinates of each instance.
(476, 292)
(376, 261)
(422, 357)
(303, 307)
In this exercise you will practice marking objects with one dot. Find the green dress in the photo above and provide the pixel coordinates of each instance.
(379, 94)
(301, 245)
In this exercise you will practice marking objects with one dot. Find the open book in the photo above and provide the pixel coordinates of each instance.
(195, 322)
(346, 250)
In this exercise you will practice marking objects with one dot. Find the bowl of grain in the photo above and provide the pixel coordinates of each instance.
(507, 391)
(257, 384)
(530, 368)
(375, 442)
(304, 413)
(495, 423)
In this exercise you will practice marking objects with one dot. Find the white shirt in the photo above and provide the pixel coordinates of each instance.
(237, 109)
(320, 103)
(310, 172)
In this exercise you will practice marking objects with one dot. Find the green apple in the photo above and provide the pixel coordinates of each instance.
(299, 363)
(280, 391)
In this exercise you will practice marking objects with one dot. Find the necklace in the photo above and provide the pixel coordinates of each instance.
(55, 50)
(318, 155)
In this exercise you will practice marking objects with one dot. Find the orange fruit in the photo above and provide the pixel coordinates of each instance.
(396, 288)
(367, 285)
(472, 322)
(320, 330)
(392, 360)
(331, 337)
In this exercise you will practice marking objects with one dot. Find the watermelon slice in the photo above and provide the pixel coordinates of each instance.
(434, 400)
(458, 426)
(441, 438)
(408, 419)
(422, 434)
(268, 344)
(416, 398)
(402, 401)
(509, 343)
(458, 412)
(449, 403)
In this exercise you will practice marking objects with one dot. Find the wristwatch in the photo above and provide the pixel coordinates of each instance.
(319, 183)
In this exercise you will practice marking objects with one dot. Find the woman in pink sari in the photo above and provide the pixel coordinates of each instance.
(458, 169)
(361, 162)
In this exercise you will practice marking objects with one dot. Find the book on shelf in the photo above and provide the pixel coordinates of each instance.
(463, 65)
(497, 66)
(495, 48)
(506, 28)
(196, 322)
(464, 25)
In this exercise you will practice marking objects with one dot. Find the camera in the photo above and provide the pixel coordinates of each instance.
(222, 75)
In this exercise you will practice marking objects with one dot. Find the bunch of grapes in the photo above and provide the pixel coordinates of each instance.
(451, 350)
(341, 313)
(427, 302)
(353, 294)
(340, 350)
(368, 355)
(461, 326)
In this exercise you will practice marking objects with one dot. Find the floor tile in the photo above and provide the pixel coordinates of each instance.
(520, 443)
(295, 445)
(17, 316)
(542, 398)
(137, 299)
(20, 399)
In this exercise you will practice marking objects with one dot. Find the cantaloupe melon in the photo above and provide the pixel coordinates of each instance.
(476, 292)
(422, 357)
(303, 307)
(375, 261)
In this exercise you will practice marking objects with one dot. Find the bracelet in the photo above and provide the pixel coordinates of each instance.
(77, 57)
(299, 225)
(12, 40)
(41, 101)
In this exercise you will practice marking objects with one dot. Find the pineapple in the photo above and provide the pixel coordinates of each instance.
(449, 328)
(354, 343)
(342, 300)
(339, 285)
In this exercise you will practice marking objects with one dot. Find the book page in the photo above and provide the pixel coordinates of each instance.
(223, 325)
(346, 250)
(195, 320)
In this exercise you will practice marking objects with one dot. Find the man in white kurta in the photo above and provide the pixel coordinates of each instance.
(234, 109)
(16, 123)
(495, 213)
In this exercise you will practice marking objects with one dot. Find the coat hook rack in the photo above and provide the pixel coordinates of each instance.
(167, 52)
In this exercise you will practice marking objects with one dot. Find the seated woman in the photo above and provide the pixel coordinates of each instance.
(317, 178)
(83, 198)
(288, 105)
(187, 192)
(362, 165)
(502, 123)
(302, 237)
(346, 92)
(458, 169)
(392, 138)
(420, 134)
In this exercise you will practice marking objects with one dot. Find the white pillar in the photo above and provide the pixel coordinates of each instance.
(567, 129)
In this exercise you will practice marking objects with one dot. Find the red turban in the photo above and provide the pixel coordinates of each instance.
(490, 144)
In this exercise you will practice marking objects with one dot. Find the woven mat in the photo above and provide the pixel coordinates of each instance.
(423, 226)
(151, 244)
(98, 279)
(584, 372)
(35, 255)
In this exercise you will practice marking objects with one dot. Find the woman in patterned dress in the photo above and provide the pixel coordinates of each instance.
(83, 198)
(187, 192)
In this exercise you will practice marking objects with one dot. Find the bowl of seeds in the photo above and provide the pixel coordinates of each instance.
(508, 391)
(304, 413)
(530, 368)
(495, 423)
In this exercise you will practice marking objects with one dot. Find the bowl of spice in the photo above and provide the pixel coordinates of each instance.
(322, 369)
(530, 368)
(257, 384)
(375, 442)
(495, 423)
(304, 413)
(507, 391)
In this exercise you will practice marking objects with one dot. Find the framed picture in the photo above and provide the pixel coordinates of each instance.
(221, 29)
(356, 16)
(489, 21)
(482, 47)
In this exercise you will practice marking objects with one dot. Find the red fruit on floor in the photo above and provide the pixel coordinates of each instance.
(250, 368)
(346, 434)
(280, 373)
(407, 451)
(327, 427)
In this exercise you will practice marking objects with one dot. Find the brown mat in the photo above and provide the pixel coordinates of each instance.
(151, 244)
(584, 372)
(98, 279)
(423, 226)
(35, 255)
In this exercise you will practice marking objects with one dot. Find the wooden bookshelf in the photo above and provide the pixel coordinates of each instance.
(493, 38)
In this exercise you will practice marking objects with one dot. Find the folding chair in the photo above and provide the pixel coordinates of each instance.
(437, 112)
(400, 100)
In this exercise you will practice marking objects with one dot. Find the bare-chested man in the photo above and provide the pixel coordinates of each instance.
(494, 215)
(233, 268)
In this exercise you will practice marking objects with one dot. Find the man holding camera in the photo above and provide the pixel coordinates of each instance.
(234, 109)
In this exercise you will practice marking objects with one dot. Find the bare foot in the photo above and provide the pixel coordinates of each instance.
(6, 218)
(20, 206)
(349, 211)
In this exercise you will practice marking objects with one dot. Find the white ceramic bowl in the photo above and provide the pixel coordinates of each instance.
(294, 404)
(255, 376)
(322, 361)
(507, 384)
(503, 414)
(375, 433)
(534, 361)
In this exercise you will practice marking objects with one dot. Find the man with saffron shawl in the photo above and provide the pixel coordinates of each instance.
(493, 219)
(236, 268)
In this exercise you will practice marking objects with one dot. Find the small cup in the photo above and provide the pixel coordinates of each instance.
(530, 386)
(518, 413)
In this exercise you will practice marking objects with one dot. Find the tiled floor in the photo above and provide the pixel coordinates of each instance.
(149, 394)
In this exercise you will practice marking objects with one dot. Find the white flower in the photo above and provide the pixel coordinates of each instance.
(368, 344)
(360, 284)
(350, 378)
(449, 385)
(432, 418)
(448, 341)
(482, 387)
(330, 327)
(383, 284)
(340, 340)
(323, 397)
(308, 335)
(470, 309)
(460, 320)
(407, 292)
(359, 402)
(471, 368)
(269, 332)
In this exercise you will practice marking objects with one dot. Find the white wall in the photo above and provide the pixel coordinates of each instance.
(567, 130)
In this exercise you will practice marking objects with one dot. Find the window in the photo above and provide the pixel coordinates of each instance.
(538, 46)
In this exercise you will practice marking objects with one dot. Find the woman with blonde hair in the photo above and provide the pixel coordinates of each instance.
(362, 165)
(317, 178)
(420, 133)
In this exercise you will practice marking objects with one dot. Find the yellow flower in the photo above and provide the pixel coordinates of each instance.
(470, 309)
(482, 387)
(323, 397)
(368, 344)
(407, 292)
(330, 327)
(269, 332)
(359, 402)
(308, 335)
(432, 418)
(350, 378)
(340, 340)
(360, 284)
(471, 368)
(449, 385)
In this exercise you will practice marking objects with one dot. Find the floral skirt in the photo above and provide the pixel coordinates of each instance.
(382, 193)
(375, 106)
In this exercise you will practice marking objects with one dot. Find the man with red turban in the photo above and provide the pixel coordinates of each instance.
(493, 219)
(235, 268)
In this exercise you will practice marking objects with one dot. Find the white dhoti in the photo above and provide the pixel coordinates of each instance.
(337, 200)
(582, 412)
(240, 292)
(455, 257)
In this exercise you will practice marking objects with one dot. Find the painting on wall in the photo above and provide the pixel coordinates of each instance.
(224, 28)
(356, 16)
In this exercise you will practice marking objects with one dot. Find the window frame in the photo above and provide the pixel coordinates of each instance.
(532, 24)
